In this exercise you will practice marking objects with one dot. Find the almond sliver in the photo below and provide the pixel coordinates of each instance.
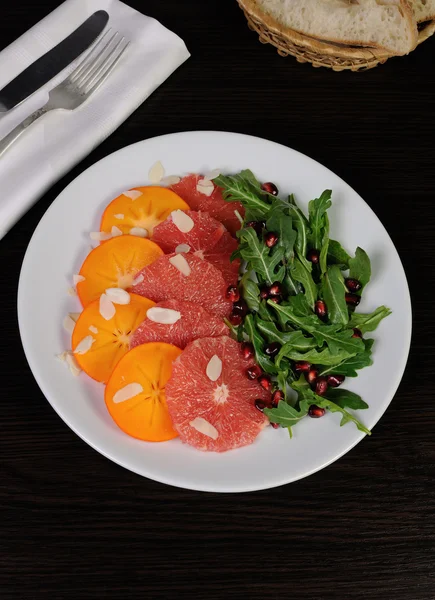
(73, 365)
(68, 324)
(156, 173)
(85, 345)
(138, 279)
(205, 186)
(116, 231)
(204, 427)
(93, 329)
(212, 175)
(119, 216)
(170, 180)
(139, 232)
(182, 221)
(133, 194)
(107, 308)
(117, 296)
(214, 368)
(165, 316)
(74, 316)
(78, 278)
(182, 248)
(128, 392)
(180, 263)
(100, 236)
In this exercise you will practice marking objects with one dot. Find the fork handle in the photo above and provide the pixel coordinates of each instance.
(8, 140)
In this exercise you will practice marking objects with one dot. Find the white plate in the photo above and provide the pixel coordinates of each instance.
(61, 242)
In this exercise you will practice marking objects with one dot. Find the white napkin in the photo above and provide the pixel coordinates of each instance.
(59, 140)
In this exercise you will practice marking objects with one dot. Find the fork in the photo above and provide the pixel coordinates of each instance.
(79, 85)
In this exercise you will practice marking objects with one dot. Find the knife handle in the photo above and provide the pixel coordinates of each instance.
(7, 141)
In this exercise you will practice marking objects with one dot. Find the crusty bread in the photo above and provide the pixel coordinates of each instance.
(424, 10)
(385, 24)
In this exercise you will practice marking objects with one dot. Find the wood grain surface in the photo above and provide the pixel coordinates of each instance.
(75, 525)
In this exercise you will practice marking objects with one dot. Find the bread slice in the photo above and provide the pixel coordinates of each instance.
(384, 24)
(424, 10)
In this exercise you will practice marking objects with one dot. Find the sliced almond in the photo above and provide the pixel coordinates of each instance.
(62, 356)
(139, 232)
(212, 175)
(78, 278)
(214, 368)
(182, 248)
(156, 173)
(180, 263)
(133, 194)
(205, 428)
(73, 365)
(117, 296)
(93, 329)
(100, 236)
(71, 291)
(115, 231)
(205, 186)
(128, 392)
(165, 316)
(74, 316)
(107, 308)
(138, 279)
(182, 221)
(170, 180)
(68, 324)
(119, 216)
(85, 345)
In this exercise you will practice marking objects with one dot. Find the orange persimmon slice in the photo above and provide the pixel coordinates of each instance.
(135, 392)
(146, 208)
(115, 264)
(108, 341)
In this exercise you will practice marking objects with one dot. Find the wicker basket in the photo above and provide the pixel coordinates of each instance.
(318, 53)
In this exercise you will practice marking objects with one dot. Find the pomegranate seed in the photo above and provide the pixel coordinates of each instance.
(258, 226)
(271, 239)
(352, 299)
(235, 318)
(315, 412)
(312, 376)
(265, 382)
(264, 292)
(260, 405)
(270, 188)
(357, 333)
(253, 372)
(275, 289)
(272, 349)
(275, 299)
(277, 396)
(302, 366)
(321, 386)
(353, 285)
(335, 380)
(240, 307)
(313, 256)
(275, 425)
(320, 309)
(232, 293)
(247, 350)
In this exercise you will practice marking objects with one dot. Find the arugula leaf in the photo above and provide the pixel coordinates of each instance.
(349, 366)
(300, 273)
(291, 287)
(323, 259)
(337, 255)
(316, 213)
(264, 362)
(299, 305)
(280, 222)
(258, 257)
(360, 268)
(250, 292)
(264, 312)
(302, 227)
(295, 339)
(244, 188)
(346, 399)
(313, 356)
(285, 415)
(369, 322)
(334, 291)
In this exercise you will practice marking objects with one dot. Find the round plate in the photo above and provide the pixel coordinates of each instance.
(61, 242)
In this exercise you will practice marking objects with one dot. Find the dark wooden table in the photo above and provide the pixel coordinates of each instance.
(75, 525)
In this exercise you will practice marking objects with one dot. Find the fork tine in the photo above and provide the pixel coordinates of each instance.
(90, 64)
(85, 62)
(99, 67)
(106, 73)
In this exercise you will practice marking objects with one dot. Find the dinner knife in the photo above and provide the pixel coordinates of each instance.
(52, 62)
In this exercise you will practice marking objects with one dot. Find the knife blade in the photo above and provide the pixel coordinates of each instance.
(52, 62)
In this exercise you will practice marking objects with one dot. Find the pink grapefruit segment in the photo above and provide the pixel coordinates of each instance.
(205, 284)
(195, 322)
(214, 204)
(207, 239)
(224, 408)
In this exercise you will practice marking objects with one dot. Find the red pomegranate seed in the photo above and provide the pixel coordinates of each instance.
(275, 425)
(247, 350)
(272, 349)
(277, 396)
(352, 299)
(275, 299)
(258, 226)
(264, 292)
(235, 319)
(270, 188)
(312, 376)
(240, 307)
(335, 380)
(302, 366)
(232, 293)
(316, 412)
(357, 333)
(260, 405)
(270, 239)
(313, 256)
(320, 309)
(275, 289)
(253, 372)
(265, 382)
(321, 386)
(353, 285)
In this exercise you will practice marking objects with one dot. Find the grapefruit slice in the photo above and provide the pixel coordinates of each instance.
(204, 284)
(214, 413)
(114, 264)
(141, 207)
(135, 392)
(207, 239)
(193, 322)
(109, 340)
(214, 204)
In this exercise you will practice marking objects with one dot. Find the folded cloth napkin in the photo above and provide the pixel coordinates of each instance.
(59, 140)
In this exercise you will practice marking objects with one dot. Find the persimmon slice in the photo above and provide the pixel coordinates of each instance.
(115, 264)
(108, 341)
(135, 393)
(144, 208)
